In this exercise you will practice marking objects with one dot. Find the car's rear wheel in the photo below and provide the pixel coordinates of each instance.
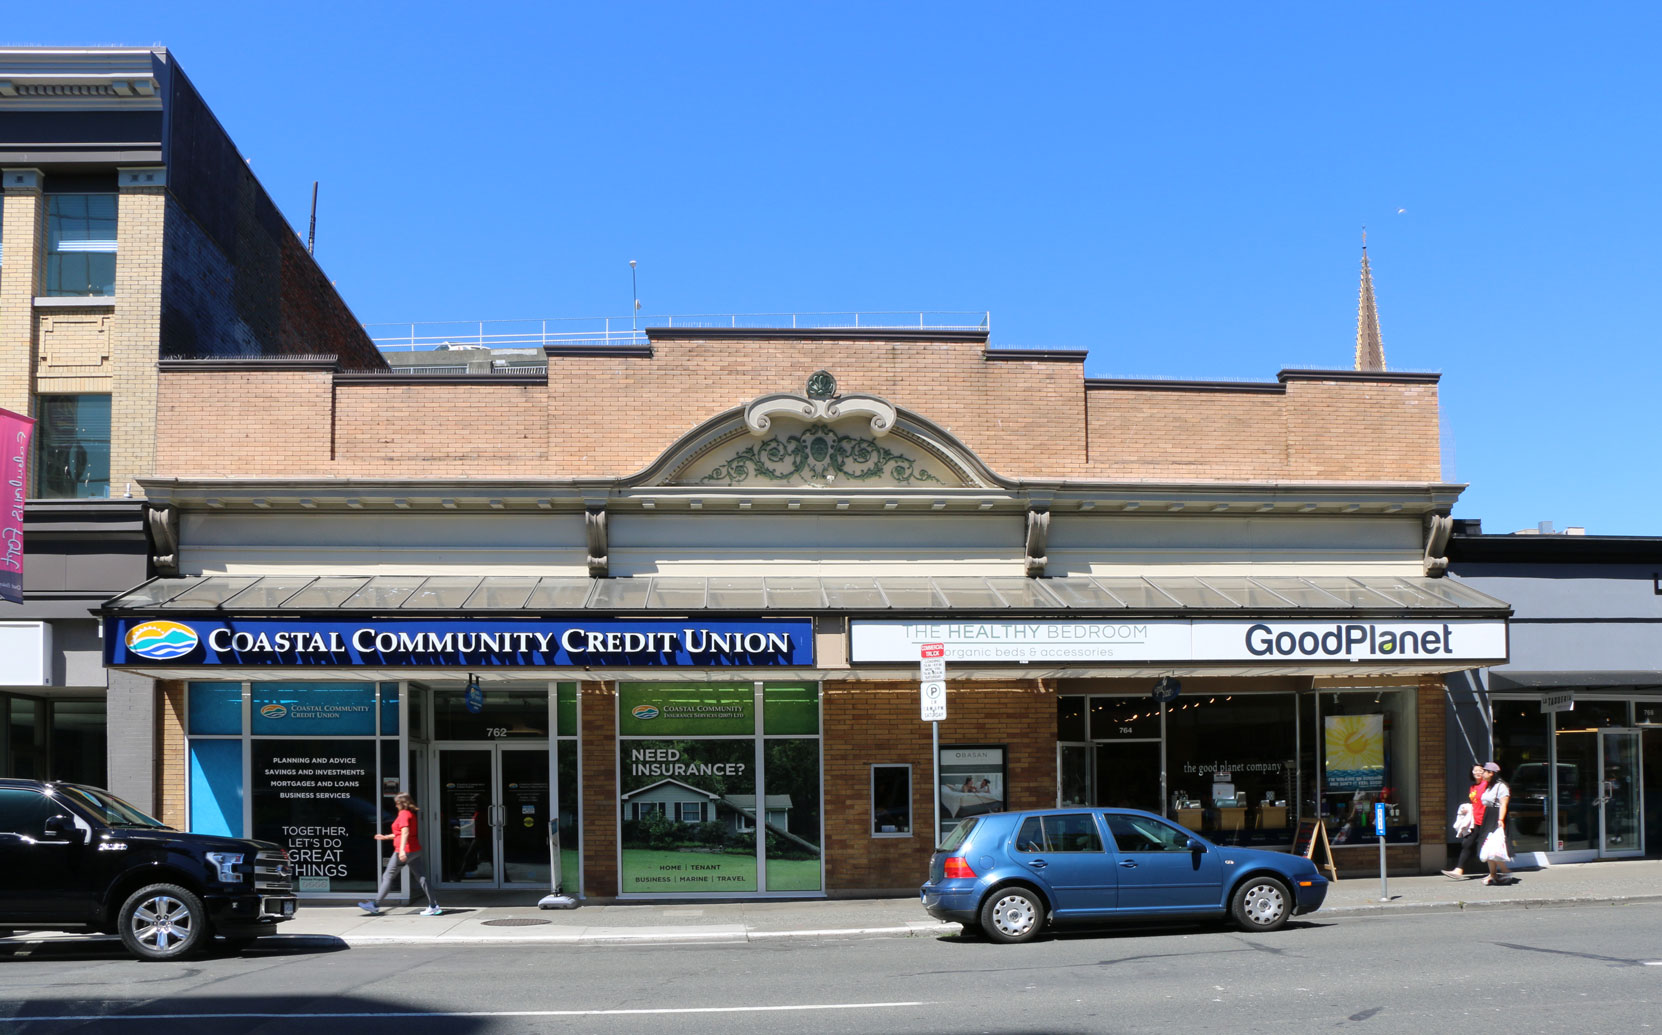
(1012, 915)
(162, 922)
(1261, 904)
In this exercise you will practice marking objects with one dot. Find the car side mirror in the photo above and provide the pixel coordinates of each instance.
(1196, 846)
(64, 827)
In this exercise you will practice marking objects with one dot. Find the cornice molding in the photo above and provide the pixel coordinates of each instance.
(811, 334)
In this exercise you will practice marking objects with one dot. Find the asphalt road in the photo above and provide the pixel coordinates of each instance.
(1581, 970)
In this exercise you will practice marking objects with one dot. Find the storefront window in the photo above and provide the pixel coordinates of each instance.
(1522, 738)
(307, 770)
(972, 783)
(891, 800)
(1230, 766)
(1369, 746)
(696, 815)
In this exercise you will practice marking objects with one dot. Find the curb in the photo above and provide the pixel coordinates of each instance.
(609, 938)
(925, 930)
(1478, 905)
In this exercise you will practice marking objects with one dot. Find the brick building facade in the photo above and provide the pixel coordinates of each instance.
(1072, 540)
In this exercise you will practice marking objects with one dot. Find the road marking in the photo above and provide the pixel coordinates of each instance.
(1653, 963)
(463, 1013)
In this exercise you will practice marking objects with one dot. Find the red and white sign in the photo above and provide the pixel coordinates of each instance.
(932, 687)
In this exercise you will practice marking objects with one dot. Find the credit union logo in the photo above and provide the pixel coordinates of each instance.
(160, 640)
(273, 711)
(644, 711)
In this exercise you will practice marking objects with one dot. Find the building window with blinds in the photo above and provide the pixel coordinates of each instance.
(72, 447)
(80, 245)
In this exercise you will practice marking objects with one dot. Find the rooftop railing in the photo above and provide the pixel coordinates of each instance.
(615, 331)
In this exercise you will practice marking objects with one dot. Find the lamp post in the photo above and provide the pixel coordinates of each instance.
(635, 295)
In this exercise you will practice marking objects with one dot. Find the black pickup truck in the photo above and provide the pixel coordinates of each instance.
(77, 858)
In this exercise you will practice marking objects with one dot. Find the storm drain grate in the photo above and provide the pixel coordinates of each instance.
(515, 921)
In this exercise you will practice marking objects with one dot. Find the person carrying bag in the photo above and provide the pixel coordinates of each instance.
(1493, 848)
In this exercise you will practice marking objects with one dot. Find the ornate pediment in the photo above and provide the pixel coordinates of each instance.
(818, 440)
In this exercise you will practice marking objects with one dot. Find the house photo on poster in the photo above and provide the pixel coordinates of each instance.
(971, 783)
(318, 799)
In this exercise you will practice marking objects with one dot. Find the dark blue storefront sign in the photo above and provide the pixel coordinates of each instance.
(391, 643)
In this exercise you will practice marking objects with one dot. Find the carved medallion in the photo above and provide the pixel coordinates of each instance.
(821, 385)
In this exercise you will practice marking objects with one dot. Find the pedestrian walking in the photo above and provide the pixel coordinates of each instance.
(1493, 848)
(406, 845)
(1469, 826)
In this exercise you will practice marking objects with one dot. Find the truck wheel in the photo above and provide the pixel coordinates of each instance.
(162, 922)
(1012, 915)
(1261, 904)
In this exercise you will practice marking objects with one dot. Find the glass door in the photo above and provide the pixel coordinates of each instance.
(494, 804)
(1619, 809)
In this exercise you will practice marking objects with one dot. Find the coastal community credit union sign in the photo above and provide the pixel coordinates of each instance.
(480, 644)
(1166, 640)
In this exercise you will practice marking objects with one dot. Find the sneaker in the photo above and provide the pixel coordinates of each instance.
(369, 907)
(432, 911)
(1454, 875)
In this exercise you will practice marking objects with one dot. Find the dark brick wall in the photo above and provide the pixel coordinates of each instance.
(237, 281)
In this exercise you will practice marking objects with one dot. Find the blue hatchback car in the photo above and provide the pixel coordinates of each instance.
(1010, 873)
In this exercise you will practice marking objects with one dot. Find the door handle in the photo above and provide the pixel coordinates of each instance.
(1130, 864)
(1037, 864)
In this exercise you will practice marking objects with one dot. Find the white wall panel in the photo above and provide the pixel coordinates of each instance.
(382, 544)
(1116, 544)
(816, 544)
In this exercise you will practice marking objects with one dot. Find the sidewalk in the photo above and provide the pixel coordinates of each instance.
(505, 921)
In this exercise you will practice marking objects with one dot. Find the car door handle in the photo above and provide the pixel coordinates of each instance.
(1037, 864)
(1130, 864)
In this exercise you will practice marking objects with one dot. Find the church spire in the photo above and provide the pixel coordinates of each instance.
(1370, 347)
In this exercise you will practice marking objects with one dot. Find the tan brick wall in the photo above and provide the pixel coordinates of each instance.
(135, 336)
(249, 423)
(870, 723)
(609, 416)
(171, 767)
(469, 429)
(1022, 417)
(597, 709)
(21, 225)
(1184, 435)
(1335, 429)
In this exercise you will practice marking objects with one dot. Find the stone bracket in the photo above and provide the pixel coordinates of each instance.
(1438, 528)
(594, 526)
(1038, 532)
(163, 526)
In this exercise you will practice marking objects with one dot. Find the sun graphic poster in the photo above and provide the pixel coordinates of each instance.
(1355, 752)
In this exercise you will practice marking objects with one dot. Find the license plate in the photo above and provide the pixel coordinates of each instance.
(288, 908)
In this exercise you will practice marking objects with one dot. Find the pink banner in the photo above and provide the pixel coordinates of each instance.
(15, 430)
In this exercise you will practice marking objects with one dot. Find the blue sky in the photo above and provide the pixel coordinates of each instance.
(1178, 188)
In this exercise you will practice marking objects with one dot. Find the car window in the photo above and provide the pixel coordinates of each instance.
(23, 812)
(1073, 832)
(1142, 834)
(958, 834)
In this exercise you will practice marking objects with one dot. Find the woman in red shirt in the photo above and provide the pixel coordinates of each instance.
(406, 845)
(1469, 840)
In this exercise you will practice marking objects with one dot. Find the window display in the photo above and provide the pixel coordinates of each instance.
(706, 806)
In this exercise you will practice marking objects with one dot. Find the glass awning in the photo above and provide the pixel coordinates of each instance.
(1219, 596)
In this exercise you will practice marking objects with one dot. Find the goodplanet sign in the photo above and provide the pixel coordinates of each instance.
(483, 643)
(1458, 641)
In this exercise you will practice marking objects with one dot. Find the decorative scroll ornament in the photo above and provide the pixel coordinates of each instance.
(818, 455)
(758, 416)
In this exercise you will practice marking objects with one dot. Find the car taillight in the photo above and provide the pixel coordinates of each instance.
(957, 868)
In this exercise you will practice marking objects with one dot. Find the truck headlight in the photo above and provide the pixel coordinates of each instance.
(226, 864)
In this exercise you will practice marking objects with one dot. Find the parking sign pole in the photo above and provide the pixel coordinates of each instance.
(932, 699)
(1379, 829)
